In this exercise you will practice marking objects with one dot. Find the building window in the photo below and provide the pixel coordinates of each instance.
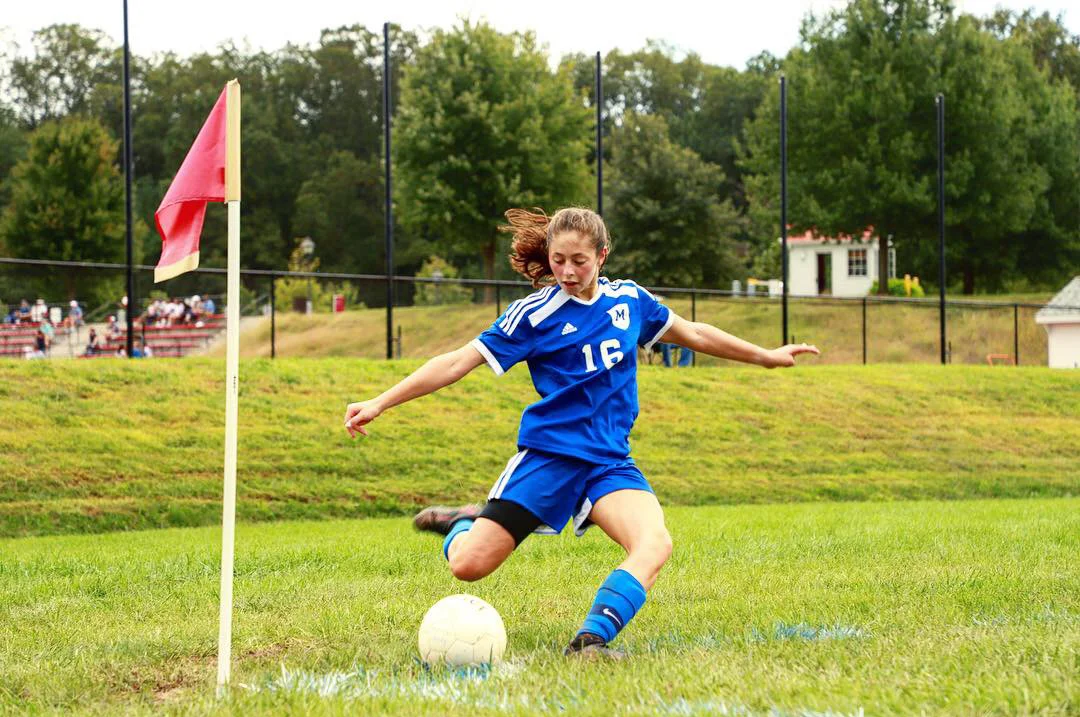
(856, 262)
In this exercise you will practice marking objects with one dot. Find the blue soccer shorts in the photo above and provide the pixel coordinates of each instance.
(557, 489)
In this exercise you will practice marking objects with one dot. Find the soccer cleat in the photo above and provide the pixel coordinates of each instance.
(590, 646)
(440, 518)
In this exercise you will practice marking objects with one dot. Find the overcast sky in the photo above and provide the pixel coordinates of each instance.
(723, 33)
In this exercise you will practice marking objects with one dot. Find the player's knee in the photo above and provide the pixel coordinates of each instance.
(468, 567)
(657, 545)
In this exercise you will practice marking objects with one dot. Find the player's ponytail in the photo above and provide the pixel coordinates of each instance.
(533, 230)
(528, 254)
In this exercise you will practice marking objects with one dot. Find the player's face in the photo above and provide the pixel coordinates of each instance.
(576, 264)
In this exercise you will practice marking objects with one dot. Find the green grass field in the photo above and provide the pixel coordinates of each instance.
(966, 607)
(891, 539)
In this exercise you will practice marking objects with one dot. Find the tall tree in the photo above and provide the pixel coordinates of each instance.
(67, 200)
(859, 124)
(995, 180)
(484, 125)
(340, 207)
(669, 225)
(1055, 49)
(12, 149)
(861, 135)
(71, 70)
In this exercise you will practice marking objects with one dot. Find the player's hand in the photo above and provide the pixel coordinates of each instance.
(785, 355)
(358, 415)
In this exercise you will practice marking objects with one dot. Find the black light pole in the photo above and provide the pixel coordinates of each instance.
(599, 138)
(389, 205)
(127, 190)
(783, 207)
(941, 215)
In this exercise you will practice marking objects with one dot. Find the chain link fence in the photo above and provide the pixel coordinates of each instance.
(323, 314)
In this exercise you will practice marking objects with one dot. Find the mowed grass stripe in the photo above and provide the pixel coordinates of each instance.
(106, 445)
(894, 608)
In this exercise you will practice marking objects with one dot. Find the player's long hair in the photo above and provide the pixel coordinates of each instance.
(533, 232)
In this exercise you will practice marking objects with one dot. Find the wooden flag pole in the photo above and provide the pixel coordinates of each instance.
(232, 379)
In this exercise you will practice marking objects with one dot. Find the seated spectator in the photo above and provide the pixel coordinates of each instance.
(112, 329)
(147, 352)
(75, 315)
(41, 344)
(196, 307)
(23, 312)
(208, 306)
(39, 311)
(50, 333)
(92, 346)
(176, 312)
(137, 350)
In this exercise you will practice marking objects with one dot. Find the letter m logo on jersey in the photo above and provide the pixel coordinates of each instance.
(620, 316)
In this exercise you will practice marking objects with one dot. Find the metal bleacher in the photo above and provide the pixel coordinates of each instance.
(166, 341)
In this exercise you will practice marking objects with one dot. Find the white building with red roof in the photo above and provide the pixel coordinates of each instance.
(841, 266)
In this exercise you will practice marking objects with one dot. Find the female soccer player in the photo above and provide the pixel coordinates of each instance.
(579, 334)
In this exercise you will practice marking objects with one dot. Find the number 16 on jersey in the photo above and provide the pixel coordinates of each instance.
(609, 354)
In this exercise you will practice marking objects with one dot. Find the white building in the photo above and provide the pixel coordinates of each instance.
(1061, 318)
(839, 267)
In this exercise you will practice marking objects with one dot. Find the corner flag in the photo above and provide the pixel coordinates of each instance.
(211, 172)
(202, 178)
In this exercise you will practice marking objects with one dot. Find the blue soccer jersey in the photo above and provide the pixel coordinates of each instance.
(583, 359)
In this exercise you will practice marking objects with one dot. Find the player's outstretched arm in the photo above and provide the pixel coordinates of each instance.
(712, 341)
(437, 373)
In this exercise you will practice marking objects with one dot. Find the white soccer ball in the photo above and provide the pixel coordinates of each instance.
(462, 630)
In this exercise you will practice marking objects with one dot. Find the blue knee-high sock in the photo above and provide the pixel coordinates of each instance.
(617, 601)
(456, 529)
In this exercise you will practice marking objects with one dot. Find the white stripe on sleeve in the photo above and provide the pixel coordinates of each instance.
(488, 356)
(663, 329)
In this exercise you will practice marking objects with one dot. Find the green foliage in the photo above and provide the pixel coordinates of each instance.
(1054, 48)
(704, 106)
(897, 288)
(484, 125)
(489, 126)
(71, 71)
(67, 200)
(13, 142)
(340, 207)
(669, 226)
(436, 294)
(289, 291)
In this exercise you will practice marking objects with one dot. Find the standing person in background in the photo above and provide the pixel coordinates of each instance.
(578, 333)
(75, 315)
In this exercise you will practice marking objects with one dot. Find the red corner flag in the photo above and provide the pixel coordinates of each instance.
(201, 179)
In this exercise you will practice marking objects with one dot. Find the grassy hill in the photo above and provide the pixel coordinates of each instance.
(896, 333)
(106, 445)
